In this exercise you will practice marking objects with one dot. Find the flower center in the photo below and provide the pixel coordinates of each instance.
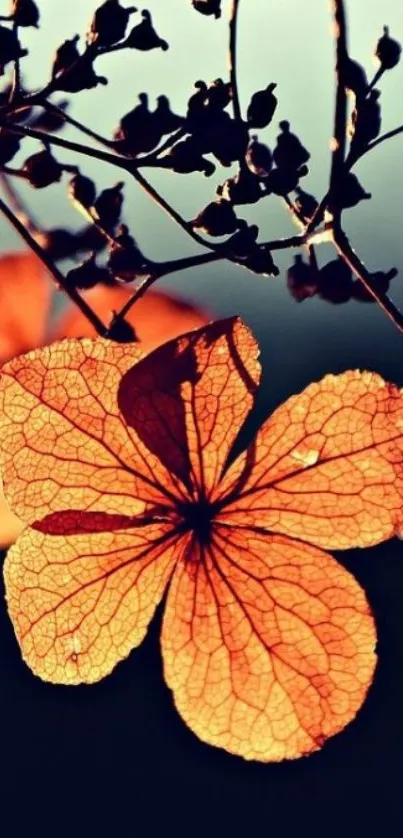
(198, 516)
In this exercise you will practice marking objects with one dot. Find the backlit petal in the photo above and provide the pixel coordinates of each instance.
(268, 645)
(188, 399)
(63, 441)
(80, 603)
(327, 467)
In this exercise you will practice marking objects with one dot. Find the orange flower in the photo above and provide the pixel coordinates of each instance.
(25, 303)
(118, 464)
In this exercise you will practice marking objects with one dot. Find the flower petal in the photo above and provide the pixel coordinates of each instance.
(25, 292)
(268, 645)
(156, 317)
(327, 467)
(188, 399)
(63, 441)
(80, 603)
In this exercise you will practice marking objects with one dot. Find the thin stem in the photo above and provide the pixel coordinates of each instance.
(68, 145)
(378, 75)
(17, 205)
(158, 199)
(144, 160)
(313, 260)
(130, 166)
(16, 85)
(381, 139)
(358, 268)
(150, 159)
(176, 265)
(8, 170)
(139, 292)
(340, 112)
(49, 106)
(233, 23)
(59, 278)
(340, 115)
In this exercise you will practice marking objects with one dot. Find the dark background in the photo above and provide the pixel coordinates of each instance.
(115, 758)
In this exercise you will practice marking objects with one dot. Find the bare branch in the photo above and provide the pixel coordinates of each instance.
(233, 22)
(358, 268)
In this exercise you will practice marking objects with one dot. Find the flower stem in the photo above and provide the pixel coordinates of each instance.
(68, 145)
(358, 268)
(233, 23)
(158, 199)
(49, 106)
(340, 115)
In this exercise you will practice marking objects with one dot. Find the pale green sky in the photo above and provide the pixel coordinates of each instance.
(287, 41)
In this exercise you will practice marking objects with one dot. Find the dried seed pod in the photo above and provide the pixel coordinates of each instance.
(125, 259)
(289, 152)
(25, 13)
(243, 242)
(259, 158)
(42, 169)
(59, 243)
(81, 76)
(9, 146)
(222, 136)
(108, 205)
(262, 107)
(348, 193)
(66, 55)
(282, 181)
(306, 204)
(355, 78)
(87, 275)
(260, 261)
(168, 122)
(121, 331)
(90, 239)
(218, 94)
(388, 51)
(109, 23)
(335, 282)
(82, 189)
(243, 188)
(197, 107)
(139, 130)
(208, 7)
(217, 219)
(144, 37)
(301, 280)
(185, 157)
(365, 121)
(10, 47)
(73, 72)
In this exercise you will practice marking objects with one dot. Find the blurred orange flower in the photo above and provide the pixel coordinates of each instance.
(118, 465)
(25, 304)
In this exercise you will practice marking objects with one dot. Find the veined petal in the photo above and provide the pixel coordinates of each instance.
(188, 399)
(327, 467)
(268, 644)
(80, 603)
(63, 441)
